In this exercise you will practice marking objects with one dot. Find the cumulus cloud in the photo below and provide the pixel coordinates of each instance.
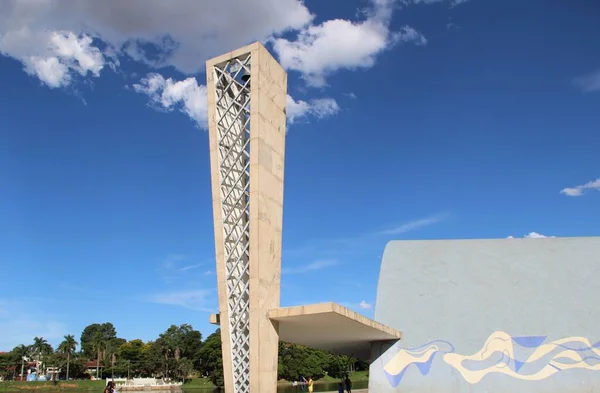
(180, 33)
(54, 57)
(186, 96)
(319, 108)
(588, 83)
(338, 44)
(60, 41)
(364, 305)
(533, 235)
(580, 190)
(190, 98)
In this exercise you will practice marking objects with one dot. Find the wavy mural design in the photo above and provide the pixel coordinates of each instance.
(526, 358)
(545, 359)
(421, 357)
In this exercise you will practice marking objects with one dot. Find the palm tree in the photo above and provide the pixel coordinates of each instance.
(40, 347)
(21, 352)
(99, 345)
(67, 346)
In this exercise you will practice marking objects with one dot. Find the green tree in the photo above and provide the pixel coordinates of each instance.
(152, 359)
(7, 366)
(77, 367)
(41, 347)
(185, 367)
(340, 365)
(131, 354)
(18, 354)
(209, 359)
(98, 344)
(110, 355)
(90, 334)
(296, 361)
(66, 347)
(178, 342)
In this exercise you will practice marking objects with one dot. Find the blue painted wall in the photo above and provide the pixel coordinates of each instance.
(507, 315)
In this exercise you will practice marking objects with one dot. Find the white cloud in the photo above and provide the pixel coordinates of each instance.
(20, 322)
(588, 83)
(198, 300)
(311, 267)
(338, 44)
(319, 108)
(189, 267)
(579, 190)
(180, 33)
(533, 235)
(186, 95)
(53, 56)
(364, 305)
(191, 98)
(408, 34)
(412, 225)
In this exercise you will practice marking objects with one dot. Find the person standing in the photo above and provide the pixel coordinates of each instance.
(110, 387)
(348, 384)
(310, 385)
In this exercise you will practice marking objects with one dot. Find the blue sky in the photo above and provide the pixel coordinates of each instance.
(407, 120)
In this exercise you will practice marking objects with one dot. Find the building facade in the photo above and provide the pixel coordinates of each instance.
(506, 315)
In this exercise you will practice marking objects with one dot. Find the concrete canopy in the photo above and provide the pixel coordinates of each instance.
(331, 327)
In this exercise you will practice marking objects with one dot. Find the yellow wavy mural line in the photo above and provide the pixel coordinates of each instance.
(502, 342)
(406, 357)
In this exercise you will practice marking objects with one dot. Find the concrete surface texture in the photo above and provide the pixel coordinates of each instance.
(506, 315)
(247, 92)
(331, 327)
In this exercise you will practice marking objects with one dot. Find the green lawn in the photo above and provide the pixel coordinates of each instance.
(355, 376)
(198, 383)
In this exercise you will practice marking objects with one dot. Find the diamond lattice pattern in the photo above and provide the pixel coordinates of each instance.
(232, 85)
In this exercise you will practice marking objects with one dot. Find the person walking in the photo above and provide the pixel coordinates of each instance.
(310, 385)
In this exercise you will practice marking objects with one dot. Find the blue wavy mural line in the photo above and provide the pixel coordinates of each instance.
(422, 357)
(595, 346)
(570, 357)
(424, 368)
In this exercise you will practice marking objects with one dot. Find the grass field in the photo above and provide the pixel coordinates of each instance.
(355, 376)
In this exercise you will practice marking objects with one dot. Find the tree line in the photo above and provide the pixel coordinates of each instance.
(178, 353)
